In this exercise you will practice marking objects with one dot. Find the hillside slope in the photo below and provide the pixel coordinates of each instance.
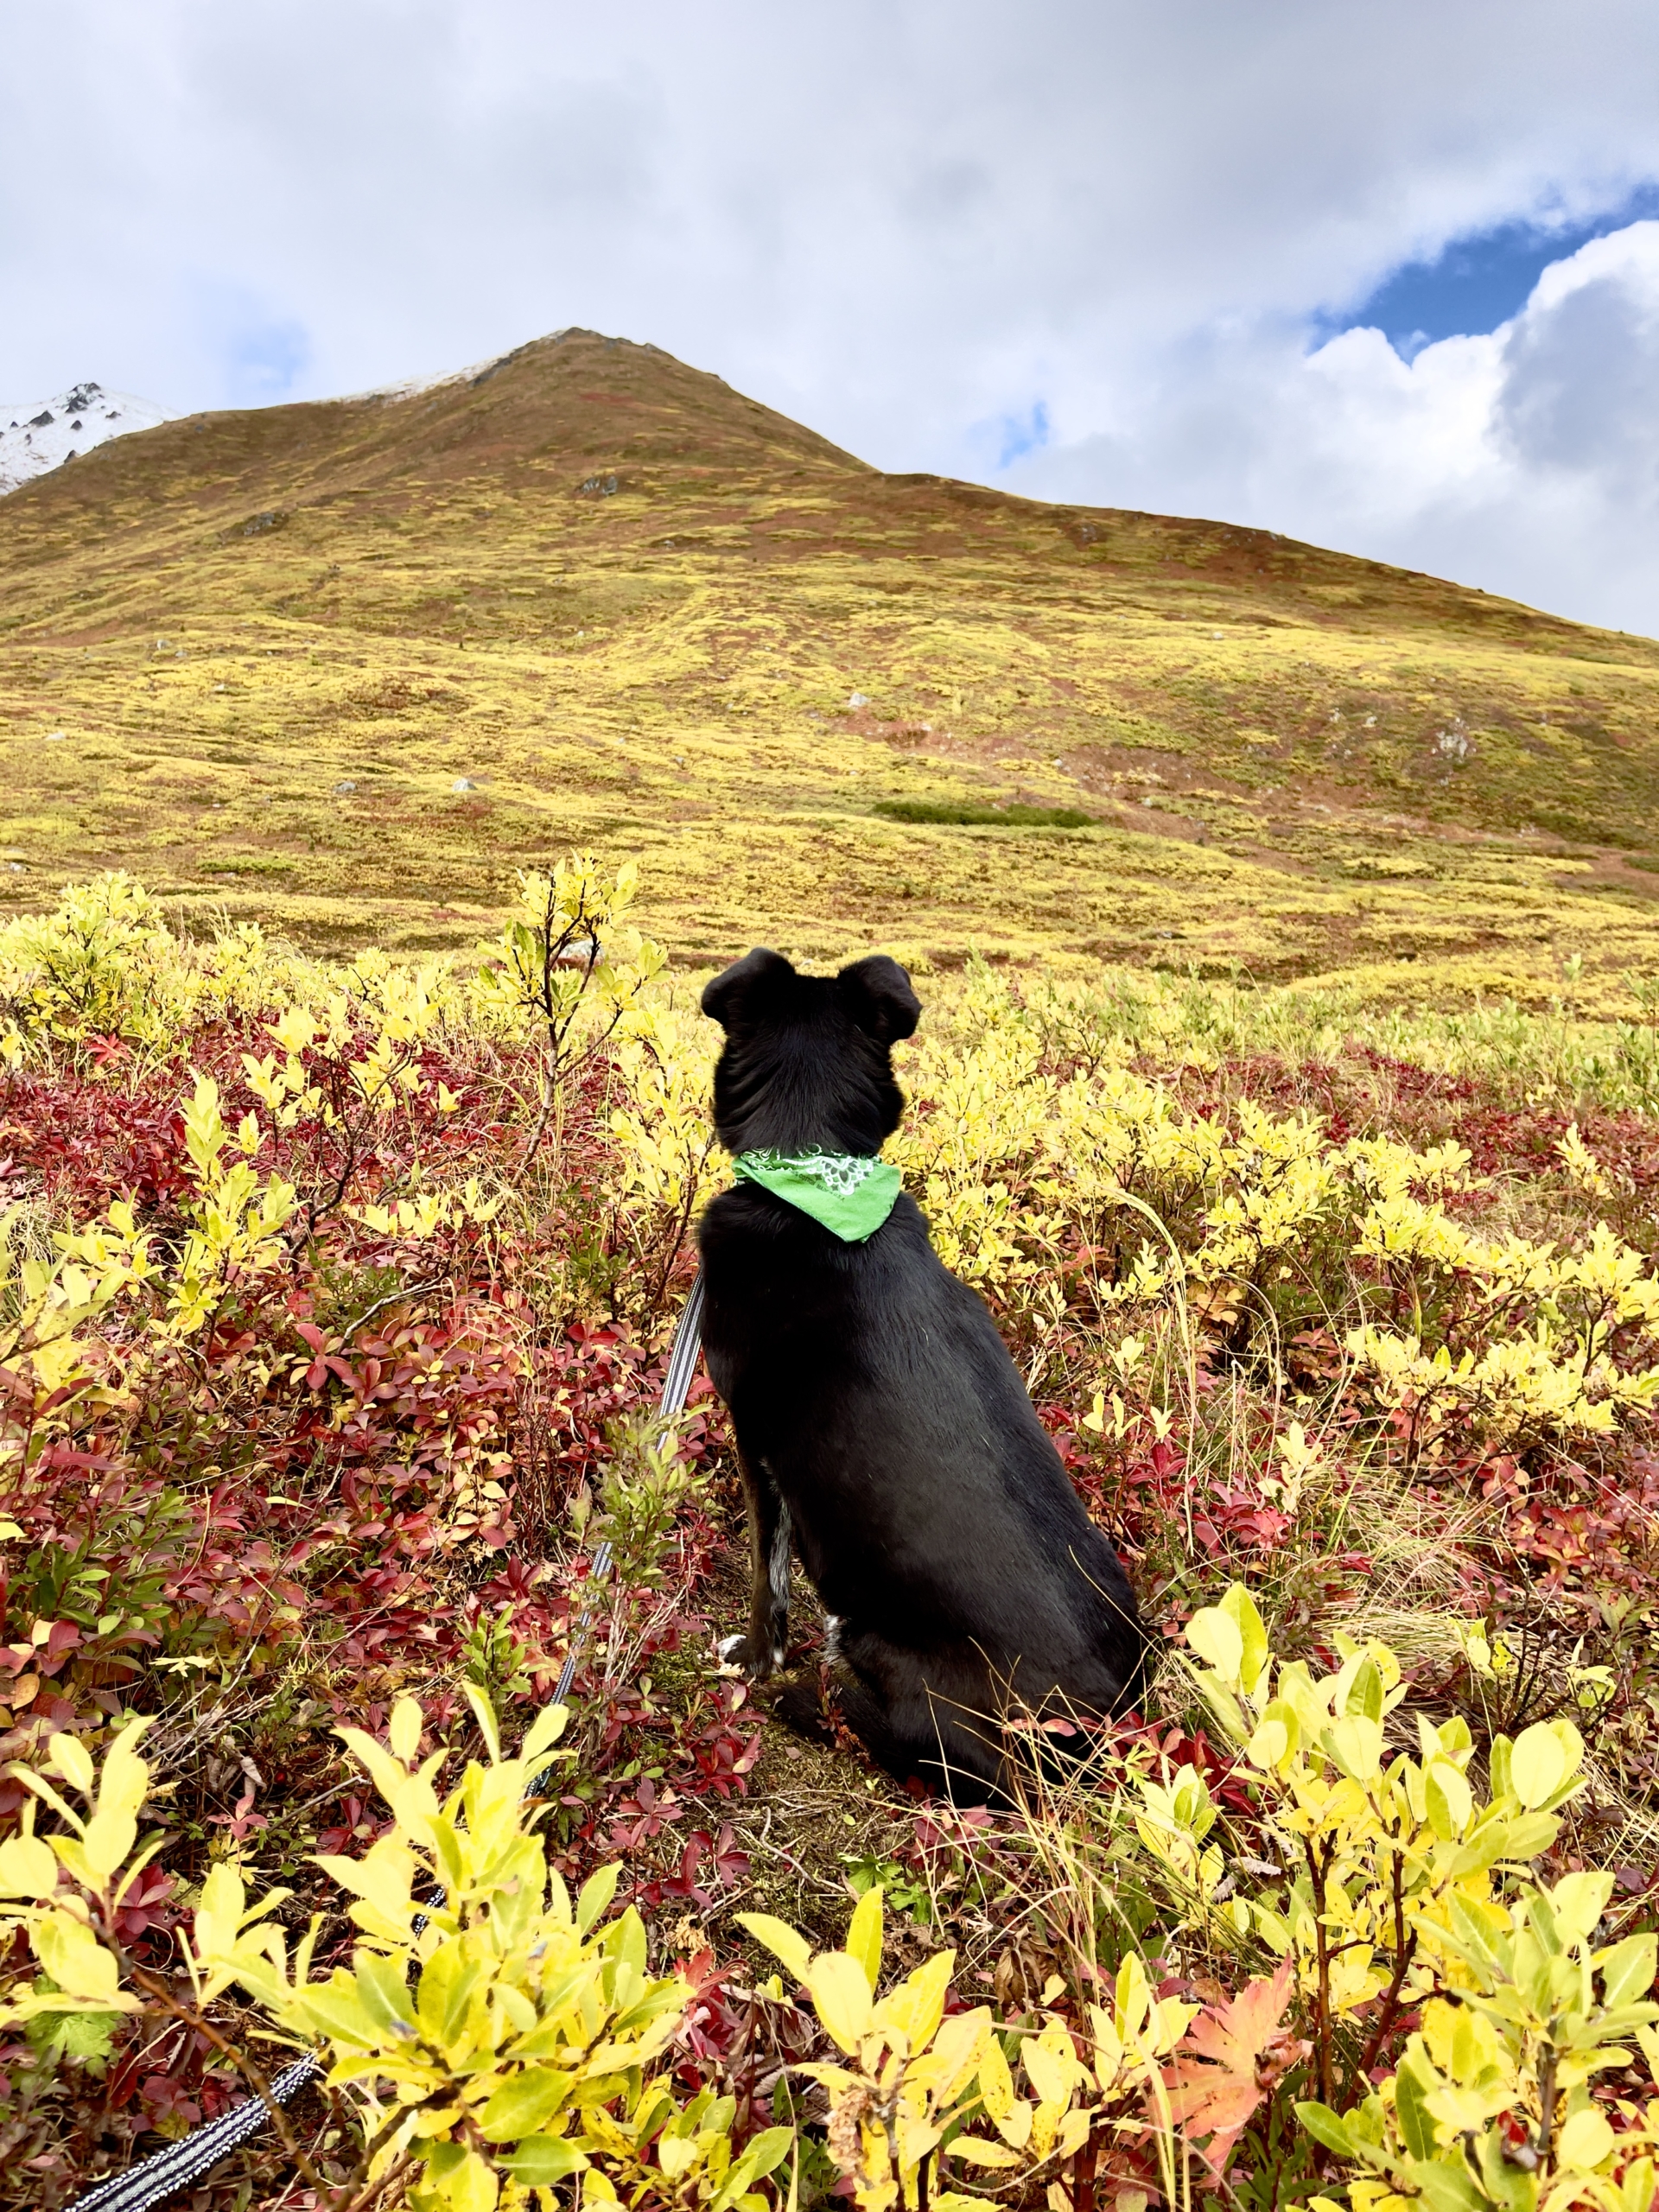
(347, 664)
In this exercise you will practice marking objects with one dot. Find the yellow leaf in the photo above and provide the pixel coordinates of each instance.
(545, 1731)
(1074, 2133)
(404, 1731)
(956, 2051)
(995, 2083)
(1132, 1995)
(864, 1934)
(109, 1836)
(780, 1939)
(484, 1714)
(125, 1781)
(295, 1030)
(841, 1994)
(1268, 1744)
(1047, 2072)
(917, 2006)
(1240, 1608)
(471, 2186)
(524, 2104)
(72, 1761)
(1537, 1765)
(1637, 2186)
(833, 2077)
(383, 1877)
(979, 2152)
(219, 1916)
(1451, 1803)
(1355, 1744)
(1216, 1637)
(28, 1867)
(676, 2155)
(79, 1965)
(385, 1772)
(1585, 2142)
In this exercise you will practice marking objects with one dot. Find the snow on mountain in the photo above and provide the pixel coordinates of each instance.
(43, 434)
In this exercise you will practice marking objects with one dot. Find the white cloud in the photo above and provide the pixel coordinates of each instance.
(1526, 460)
(910, 223)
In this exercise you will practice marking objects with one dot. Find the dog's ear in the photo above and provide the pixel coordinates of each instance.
(739, 993)
(878, 995)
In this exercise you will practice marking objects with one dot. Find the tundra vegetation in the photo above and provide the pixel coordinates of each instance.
(343, 669)
(1287, 1085)
(337, 1296)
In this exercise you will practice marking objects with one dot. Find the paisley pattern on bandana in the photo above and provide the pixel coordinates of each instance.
(848, 1193)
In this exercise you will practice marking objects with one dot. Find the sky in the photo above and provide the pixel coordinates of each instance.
(1385, 278)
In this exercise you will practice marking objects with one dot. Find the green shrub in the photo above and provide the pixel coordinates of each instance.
(994, 817)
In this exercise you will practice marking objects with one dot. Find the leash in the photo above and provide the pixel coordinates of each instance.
(167, 2171)
(682, 1366)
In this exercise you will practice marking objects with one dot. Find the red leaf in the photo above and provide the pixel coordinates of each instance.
(1231, 2056)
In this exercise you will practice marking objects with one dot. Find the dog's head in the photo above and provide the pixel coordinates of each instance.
(807, 1065)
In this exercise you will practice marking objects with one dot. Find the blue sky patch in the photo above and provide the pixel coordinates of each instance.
(265, 357)
(1024, 434)
(1475, 282)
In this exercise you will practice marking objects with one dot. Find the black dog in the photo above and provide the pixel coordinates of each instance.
(882, 1425)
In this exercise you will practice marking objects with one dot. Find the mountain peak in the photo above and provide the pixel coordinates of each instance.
(38, 434)
(576, 389)
(608, 412)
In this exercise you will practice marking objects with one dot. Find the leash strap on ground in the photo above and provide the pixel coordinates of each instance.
(187, 2160)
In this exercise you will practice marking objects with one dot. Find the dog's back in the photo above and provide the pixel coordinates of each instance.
(871, 1392)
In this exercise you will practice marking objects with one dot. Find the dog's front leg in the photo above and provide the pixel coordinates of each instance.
(762, 1650)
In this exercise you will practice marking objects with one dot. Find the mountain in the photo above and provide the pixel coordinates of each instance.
(346, 665)
(39, 434)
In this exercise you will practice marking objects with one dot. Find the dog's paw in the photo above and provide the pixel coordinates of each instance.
(799, 1704)
(737, 1656)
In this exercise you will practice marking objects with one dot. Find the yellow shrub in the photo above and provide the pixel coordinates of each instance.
(491, 2034)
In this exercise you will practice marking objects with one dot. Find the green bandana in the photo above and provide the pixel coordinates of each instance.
(850, 1196)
